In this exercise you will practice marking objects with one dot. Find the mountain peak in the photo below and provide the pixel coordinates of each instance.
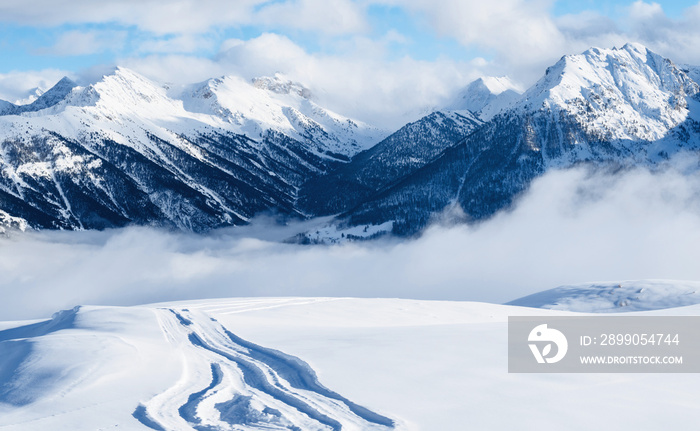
(121, 76)
(486, 96)
(281, 105)
(280, 84)
(127, 90)
(5, 105)
(128, 75)
(635, 48)
(54, 95)
(65, 82)
(612, 87)
(49, 98)
(495, 85)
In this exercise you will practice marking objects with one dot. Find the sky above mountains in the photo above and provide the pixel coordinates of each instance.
(386, 60)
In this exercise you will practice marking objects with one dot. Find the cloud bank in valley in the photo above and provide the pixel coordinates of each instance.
(571, 227)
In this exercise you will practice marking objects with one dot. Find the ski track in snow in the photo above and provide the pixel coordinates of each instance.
(244, 306)
(232, 384)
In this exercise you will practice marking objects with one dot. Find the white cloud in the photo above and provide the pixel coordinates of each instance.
(327, 16)
(640, 10)
(191, 16)
(572, 227)
(586, 25)
(76, 42)
(524, 36)
(677, 39)
(351, 71)
(393, 36)
(260, 55)
(157, 16)
(360, 81)
(519, 33)
(186, 43)
(645, 23)
(177, 69)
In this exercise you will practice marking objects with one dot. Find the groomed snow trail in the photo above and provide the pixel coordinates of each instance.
(231, 384)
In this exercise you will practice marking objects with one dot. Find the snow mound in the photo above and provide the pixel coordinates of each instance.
(615, 297)
(164, 369)
(201, 365)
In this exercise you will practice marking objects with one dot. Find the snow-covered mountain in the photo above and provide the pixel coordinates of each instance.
(692, 71)
(622, 106)
(30, 96)
(402, 153)
(407, 150)
(123, 151)
(45, 100)
(128, 150)
(276, 103)
(627, 94)
(486, 97)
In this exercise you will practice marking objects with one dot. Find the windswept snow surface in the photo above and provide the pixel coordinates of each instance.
(615, 297)
(308, 364)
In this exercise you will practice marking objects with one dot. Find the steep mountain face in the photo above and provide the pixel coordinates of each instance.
(693, 72)
(371, 171)
(619, 107)
(415, 145)
(122, 151)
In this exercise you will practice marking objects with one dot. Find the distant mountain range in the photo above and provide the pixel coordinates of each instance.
(621, 107)
(127, 150)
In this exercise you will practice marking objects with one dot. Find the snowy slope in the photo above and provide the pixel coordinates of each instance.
(637, 295)
(160, 368)
(14, 223)
(693, 72)
(359, 364)
(276, 103)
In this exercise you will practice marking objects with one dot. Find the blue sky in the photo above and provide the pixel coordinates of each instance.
(388, 48)
(616, 8)
(27, 45)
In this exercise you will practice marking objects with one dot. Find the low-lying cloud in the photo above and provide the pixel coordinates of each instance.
(571, 227)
